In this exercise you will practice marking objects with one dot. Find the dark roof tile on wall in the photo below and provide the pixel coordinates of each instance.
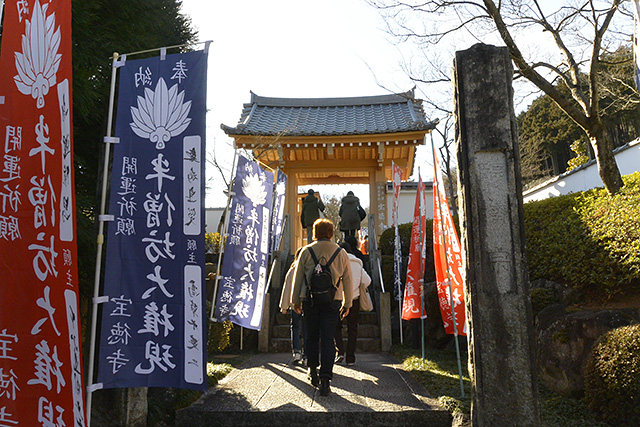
(331, 116)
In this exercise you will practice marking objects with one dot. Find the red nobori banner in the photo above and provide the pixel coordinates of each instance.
(412, 307)
(40, 359)
(447, 258)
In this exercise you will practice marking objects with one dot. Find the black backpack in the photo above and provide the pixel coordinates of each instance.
(320, 286)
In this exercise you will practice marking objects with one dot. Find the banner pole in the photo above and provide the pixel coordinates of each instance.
(223, 236)
(422, 255)
(399, 284)
(444, 242)
(100, 240)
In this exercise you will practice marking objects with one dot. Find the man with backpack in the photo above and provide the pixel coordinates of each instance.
(322, 289)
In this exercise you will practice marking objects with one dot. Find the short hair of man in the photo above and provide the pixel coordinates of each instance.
(322, 229)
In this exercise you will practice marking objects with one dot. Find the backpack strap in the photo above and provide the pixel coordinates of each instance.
(314, 257)
(335, 254)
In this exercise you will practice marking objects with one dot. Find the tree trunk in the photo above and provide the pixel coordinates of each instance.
(607, 166)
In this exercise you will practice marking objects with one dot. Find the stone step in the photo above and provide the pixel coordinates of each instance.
(280, 331)
(280, 345)
(364, 331)
(254, 418)
(269, 390)
(365, 318)
(363, 345)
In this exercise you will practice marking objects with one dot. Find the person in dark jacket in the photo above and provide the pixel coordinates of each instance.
(311, 207)
(349, 214)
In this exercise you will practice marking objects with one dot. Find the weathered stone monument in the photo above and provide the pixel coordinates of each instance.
(501, 342)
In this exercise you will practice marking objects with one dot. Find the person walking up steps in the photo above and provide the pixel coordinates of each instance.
(322, 309)
(311, 208)
(351, 214)
(358, 276)
(299, 355)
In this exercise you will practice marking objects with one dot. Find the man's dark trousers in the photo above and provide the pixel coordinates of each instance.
(321, 320)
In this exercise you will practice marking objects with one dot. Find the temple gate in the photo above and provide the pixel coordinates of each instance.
(334, 141)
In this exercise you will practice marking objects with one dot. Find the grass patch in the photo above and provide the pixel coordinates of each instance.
(560, 411)
(439, 375)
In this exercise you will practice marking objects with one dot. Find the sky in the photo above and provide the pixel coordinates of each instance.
(290, 48)
(310, 49)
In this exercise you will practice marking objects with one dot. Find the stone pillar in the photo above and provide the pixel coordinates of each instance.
(264, 332)
(501, 340)
(385, 320)
(119, 406)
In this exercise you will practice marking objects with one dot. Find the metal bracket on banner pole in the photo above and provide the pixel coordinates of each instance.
(106, 218)
(100, 300)
(163, 53)
(206, 46)
(111, 140)
(119, 60)
(93, 387)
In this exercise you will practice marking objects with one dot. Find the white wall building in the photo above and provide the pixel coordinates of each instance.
(586, 176)
(407, 201)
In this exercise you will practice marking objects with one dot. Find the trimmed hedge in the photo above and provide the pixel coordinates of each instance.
(387, 237)
(588, 241)
(612, 378)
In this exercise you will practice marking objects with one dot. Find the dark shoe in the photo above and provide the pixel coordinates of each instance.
(324, 386)
(339, 359)
(313, 377)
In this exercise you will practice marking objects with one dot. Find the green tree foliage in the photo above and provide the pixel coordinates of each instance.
(546, 133)
(331, 209)
(100, 28)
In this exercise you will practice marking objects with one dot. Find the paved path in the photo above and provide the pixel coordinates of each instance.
(270, 389)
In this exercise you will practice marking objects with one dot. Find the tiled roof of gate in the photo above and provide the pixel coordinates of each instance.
(331, 116)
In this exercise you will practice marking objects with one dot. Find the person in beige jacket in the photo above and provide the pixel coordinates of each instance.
(321, 319)
(286, 306)
(358, 277)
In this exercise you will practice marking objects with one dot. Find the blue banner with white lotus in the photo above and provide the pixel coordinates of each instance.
(277, 222)
(153, 331)
(242, 286)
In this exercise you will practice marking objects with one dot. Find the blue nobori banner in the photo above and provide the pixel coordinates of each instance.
(242, 287)
(277, 221)
(153, 324)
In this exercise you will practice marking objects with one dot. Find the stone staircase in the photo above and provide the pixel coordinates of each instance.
(368, 333)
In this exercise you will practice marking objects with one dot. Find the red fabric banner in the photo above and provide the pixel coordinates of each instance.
(414, 286)
(40, 359)
(447, 258)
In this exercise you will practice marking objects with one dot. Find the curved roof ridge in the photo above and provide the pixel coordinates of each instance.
(391, 113)
(393, 98)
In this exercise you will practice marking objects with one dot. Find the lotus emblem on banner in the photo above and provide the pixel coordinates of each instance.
(161, 114)
(38, 63)
(253, 188)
